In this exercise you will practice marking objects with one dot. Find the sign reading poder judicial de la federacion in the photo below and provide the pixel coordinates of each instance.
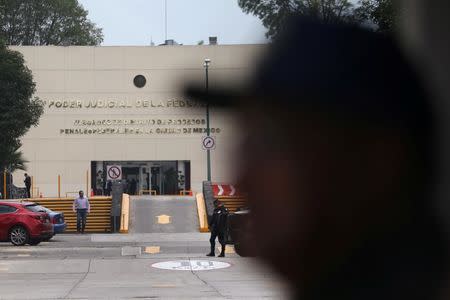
(114, 103)
(130, 126)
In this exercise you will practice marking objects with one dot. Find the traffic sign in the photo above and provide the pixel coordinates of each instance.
(224, 190)
(209, 143)
(114, 172)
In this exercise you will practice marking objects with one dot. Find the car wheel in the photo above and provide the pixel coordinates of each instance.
(34, 242)
(18, 236)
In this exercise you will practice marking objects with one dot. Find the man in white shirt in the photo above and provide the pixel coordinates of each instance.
(82, 207)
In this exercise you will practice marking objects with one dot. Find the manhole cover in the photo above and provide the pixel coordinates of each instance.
(191, 265)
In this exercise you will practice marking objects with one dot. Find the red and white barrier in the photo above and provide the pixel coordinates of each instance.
(224, 190)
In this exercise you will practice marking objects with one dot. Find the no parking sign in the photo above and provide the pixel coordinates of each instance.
(114, 172)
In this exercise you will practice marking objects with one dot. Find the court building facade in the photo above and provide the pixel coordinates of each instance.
(118, 113)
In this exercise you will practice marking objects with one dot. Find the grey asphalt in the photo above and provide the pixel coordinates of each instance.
(119, 266)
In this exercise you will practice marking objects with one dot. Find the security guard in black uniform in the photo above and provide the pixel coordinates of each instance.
(217, 226)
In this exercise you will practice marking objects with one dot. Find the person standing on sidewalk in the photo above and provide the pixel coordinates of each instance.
(27, 182)
(217, 225)
(82, 207)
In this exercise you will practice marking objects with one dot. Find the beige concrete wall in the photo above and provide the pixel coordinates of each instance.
(80, 75)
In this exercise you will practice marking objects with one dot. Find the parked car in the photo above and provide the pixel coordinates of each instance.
(56, 218)
(21, 225)
(239, 232)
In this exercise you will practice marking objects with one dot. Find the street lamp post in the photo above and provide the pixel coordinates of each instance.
(208, 152)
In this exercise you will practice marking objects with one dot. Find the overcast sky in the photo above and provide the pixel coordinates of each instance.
(137, 22)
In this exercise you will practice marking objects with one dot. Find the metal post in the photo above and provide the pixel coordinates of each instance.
(87, 183)
(10, 184)
(166, 20)
(4, 184)
(208, 152)
(32, 187)
(59, 186)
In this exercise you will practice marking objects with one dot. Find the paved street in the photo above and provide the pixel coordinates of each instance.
(119, 266)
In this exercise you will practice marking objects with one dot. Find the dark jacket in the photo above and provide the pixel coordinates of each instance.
(218, 220)
(27, 181)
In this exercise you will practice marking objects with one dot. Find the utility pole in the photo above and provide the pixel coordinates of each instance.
(166, 20)
(208, 151)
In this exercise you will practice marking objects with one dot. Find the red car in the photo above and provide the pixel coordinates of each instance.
(21, 224)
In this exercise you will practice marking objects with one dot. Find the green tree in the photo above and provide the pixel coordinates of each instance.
(273, 13)
(47, 22)
(13, 160)
(384, 14)
(19, 110)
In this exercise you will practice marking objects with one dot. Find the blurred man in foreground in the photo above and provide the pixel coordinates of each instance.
(339, 166)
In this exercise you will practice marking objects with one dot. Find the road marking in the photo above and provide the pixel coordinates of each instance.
(3, 269)
(191, 265)
(23, 250)
(163, 219)
(152, 249)
(23, 255)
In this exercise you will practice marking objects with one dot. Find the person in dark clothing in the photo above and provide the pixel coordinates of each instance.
(108, 188)
(27, 182)
(125, 186)
(217, 226)
(339, 165)
(133, 186)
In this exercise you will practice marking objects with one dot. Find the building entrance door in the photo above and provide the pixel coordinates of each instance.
(156, 179)
(130, 176)
(144, 182)
(162, 177)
